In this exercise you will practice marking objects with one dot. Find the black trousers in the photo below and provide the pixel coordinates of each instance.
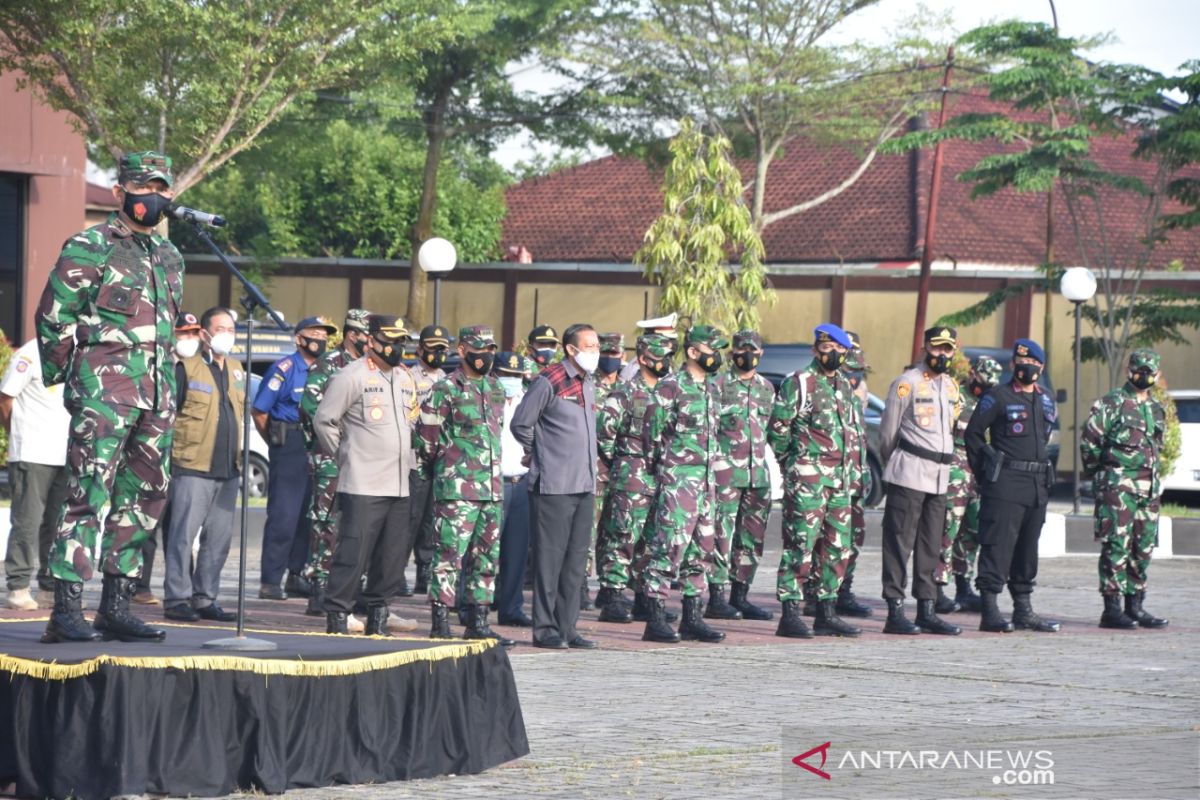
(913, 523)
(373, 532)
(562, 531)
(1008, 545)
(514, 548)
(421, 543)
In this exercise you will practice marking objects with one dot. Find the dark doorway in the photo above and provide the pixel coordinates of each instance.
(12, 253)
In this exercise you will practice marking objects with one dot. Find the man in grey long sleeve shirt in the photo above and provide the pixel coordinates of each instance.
(556, 424)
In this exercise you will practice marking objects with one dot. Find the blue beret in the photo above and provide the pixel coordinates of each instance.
(1028, 348)
(828, 332)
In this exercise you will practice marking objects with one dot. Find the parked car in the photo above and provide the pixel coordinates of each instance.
(1004, 357)
(260, 469)
(1186, 474)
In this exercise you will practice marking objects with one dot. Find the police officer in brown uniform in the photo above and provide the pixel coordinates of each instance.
(917, 443)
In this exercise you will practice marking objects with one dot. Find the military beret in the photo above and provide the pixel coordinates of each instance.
(612, 344)
(316, 322)
(828, 332)
(1028, 348)
(744, 339)
(708, 335)
(356, 319)
(941, 335)
(1144, 359)
(543, 334)
(186, 321)
(386, 326)
(144, 167)
(477, 337)
(988, 370)
(507, 363)
(435, 336)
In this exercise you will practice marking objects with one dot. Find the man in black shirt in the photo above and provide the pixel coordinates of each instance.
(1014, 475)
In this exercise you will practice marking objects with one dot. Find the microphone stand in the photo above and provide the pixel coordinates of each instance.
(252, 300)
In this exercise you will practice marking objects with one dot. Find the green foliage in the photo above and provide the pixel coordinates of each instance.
(989, 305)
(704, 223)
(1172, 445)
(1175, 141)
(1156, 316)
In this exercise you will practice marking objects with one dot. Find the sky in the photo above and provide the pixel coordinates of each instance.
(1159, 34)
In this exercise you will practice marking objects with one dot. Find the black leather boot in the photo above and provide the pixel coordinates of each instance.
(297, 585)
(791, 624)
(113, 619)
(847, 603)
(1025, 618)
(424, 570)
(613, 607)
(657, 629)
(965, 597)
(440, 627)
(66, 620)
(478, 627)
(991, 620)
(810, 601)
(693, 627)
(739, 599)
(1134, 610)
(335, 622)
(1113, 617)
(718, 607)
(585, 599)
(930, 622)
(828, 623)
(944, 604)
(641, 610)
(897, 622)
(377, 617)
(316, 600)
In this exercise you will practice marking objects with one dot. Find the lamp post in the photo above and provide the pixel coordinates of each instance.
(1078, 285)
(435, 257)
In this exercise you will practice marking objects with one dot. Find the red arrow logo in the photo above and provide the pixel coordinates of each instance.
(823, 749)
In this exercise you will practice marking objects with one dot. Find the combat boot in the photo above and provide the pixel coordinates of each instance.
(613, 607)
(657, 629)
(965, 597)
(810, 601)
(791, 624)
(738, 599)
(336, 622)
(113, 619)
(316, 599)
(897, 622)
(1113, 617)
(827, 622)
(377, 617)
(66, 620)
(585, 599)
(693, 627)
(930, 622)
(424, 571)
(440, 627)
(848, 604)
(1025, 618)
(478, 627)
(944, 604)
(718, 607)
(641, 609)
(1134, 610)
(991, 620)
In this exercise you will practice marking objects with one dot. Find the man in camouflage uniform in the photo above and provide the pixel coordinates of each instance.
(743, 481)
(612, 346)
(432, 349)
(540, 348)
(960, 541)
(813, 432)
(680, 441)
(323, 468)
(104, 327)
(1119, 450)
(458, 449)
(630, 490)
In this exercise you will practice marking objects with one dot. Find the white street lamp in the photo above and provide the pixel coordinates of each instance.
(437, 256)
(1078, 285)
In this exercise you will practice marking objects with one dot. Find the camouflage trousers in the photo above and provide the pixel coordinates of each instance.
(593, 554)
(681, 539)
(322, 516)
(959, 491)
(858, 533)
(1127, 527)
(816, 540)
(119, 456)
(470, 528)
(742, 514)
(622, 522)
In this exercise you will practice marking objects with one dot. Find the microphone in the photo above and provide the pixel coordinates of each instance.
(192, 215)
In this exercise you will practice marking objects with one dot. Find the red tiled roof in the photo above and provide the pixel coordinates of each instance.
(599, 211)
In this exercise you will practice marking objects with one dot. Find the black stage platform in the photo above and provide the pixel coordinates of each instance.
(104, 719)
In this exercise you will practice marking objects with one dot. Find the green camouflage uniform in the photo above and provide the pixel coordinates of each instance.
(814, 432)
(1119, 450)
(743, 478)
(322, 508)
(856, 362)
(611, 344)
(680, 440)
(105, 327)
(458, 446)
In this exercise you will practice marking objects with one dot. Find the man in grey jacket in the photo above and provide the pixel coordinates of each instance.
(364, 422)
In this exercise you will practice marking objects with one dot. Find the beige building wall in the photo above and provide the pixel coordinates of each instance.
(470, 303)
(386, 297)
(794, 315)
(201, 292)
(297, 298)
(612, 308)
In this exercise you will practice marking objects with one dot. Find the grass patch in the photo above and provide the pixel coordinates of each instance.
(1179, 510)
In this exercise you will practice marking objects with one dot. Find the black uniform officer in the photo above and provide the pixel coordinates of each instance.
(1014, 476)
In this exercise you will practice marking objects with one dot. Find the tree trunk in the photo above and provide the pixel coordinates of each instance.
(435, 136)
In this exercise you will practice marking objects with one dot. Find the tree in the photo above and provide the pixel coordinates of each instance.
(704, 222)
(202, 79)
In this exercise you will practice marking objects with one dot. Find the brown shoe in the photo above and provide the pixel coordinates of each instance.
(145, 597)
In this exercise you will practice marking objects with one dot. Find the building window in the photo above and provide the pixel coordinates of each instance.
(12, 253)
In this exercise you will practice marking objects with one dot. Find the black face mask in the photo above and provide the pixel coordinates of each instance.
(434, 358)
(745, 361)
(315, 347)
(389, 353)
(145, 209)
(1027, 374)
(938, 363)
(832, 360)
(855, 378)
(609, 364)
(1142, 380)
(481, 362)
(979, 389)
(659, 367)
(709, 362)
(543, 355)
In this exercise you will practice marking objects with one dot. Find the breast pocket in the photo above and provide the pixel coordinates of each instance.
(465, 412)
(1016, 423)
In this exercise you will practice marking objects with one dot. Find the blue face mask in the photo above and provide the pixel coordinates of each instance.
(512, 385)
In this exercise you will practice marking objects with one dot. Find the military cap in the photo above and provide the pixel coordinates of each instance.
(316, 322)
(1144, 359)
(988, 370)
(828, 332)
(655, 344)
(1028, 348)
(386, 326)
(477, 337)
(144, 167)
(356, 319)
(186, 321)
(612, 344)
(940, 335)
(707, 335)
(744, 339)
(543, 334)
(434, 336)
(507, 363)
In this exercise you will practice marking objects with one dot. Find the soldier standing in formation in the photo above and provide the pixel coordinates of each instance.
(432, 349)
(1119, 451)
(612, 347)
(104, 327)
(541, 348)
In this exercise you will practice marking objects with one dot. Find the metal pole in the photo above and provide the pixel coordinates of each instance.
(437, 298)
(1075, 399)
